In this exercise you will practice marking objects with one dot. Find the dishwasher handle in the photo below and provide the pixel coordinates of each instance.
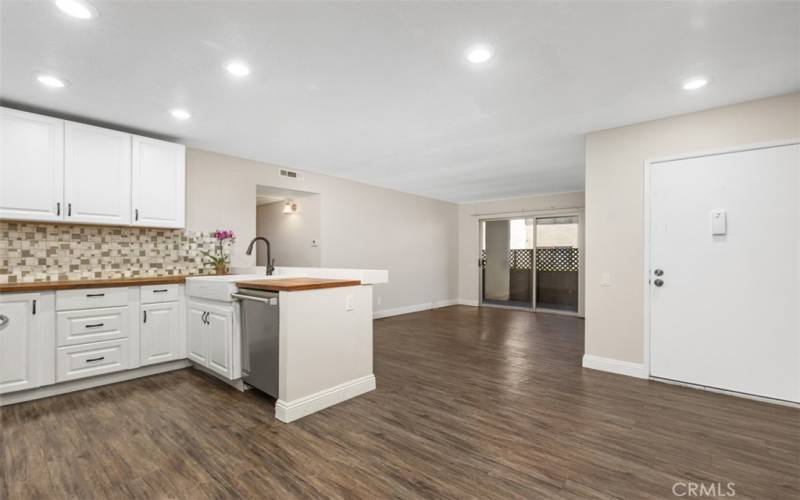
(270, 302)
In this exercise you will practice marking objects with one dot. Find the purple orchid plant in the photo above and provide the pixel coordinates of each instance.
(224, 237)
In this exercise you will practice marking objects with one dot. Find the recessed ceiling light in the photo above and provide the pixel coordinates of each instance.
(51, 81)
(694, 83)
(479, 54)
(180, 114)
(77, 8)
(237, 68)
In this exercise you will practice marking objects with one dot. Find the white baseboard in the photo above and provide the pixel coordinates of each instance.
(289, 411)
(615, 366)
(88, 383)
(397, 311)
(468, 302)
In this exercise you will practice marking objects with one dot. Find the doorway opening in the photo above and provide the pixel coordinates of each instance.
(291, 221)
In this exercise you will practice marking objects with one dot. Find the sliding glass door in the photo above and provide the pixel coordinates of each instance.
(557, 263)
(507, 257)
(531, 262)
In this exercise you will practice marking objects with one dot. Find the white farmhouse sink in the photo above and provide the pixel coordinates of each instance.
(219, 288)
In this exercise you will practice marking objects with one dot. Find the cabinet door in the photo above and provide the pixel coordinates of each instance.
(220, 340)
(31, 166)
(97, 175)
(159, 183)
(159, 334)
(19, 346)
(197, 334)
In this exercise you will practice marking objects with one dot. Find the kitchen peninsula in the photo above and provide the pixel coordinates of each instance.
(63, 336)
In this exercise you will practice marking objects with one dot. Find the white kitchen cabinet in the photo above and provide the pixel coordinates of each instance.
(89, 360)
(196, 330)
(160, 333)
(158, 183)
(220, 338)
(23, 353)
(210, 332)
(31, 166)
(97, 175)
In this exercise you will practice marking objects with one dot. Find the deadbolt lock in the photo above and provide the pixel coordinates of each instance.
(659, 272)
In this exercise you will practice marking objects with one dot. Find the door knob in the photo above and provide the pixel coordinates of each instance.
(659, 282)
(659, 272)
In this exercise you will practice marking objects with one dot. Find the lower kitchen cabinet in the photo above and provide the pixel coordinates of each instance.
(88, 360)
(210, 336)
(22, 343)
(160, 333)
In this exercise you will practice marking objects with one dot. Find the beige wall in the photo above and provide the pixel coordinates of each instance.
(615, 197)
(290, 235)
(470, 213)
(363, 226)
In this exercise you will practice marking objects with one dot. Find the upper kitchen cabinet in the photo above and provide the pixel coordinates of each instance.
(31, 166)
(97, 175)
(159, 183)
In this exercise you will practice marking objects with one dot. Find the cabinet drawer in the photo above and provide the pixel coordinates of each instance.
(93, 325)
(87, 298)
(152, 294)
(88, 360)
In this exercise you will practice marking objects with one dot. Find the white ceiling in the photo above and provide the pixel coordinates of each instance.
(381, 92)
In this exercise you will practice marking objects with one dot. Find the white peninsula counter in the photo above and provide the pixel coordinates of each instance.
(321, 340)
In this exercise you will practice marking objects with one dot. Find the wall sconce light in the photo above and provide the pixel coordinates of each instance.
(290, 207)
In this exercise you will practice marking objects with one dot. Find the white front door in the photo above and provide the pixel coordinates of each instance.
(725, 231)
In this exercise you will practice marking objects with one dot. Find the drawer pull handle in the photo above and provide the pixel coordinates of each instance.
(161, 290)
(92, 360)
(95, 295)
(95, 325)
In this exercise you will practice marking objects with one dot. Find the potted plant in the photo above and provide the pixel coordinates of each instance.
(221, 258)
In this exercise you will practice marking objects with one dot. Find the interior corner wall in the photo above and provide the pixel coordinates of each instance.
(615, 206)
(362, 226)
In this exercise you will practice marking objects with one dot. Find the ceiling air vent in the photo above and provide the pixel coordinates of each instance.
(289, 173)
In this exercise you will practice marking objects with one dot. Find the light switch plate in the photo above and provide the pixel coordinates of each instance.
(719, 222)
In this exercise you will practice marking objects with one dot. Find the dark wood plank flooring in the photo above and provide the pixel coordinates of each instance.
(471, 403)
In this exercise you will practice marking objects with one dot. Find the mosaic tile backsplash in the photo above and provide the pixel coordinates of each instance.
(49, 252)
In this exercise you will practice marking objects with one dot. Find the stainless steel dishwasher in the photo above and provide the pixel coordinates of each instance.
(260, 327)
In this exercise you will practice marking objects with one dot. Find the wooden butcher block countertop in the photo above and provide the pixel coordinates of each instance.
(41, 286)
(295, 284)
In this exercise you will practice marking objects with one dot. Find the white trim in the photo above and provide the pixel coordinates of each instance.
(646, 217)
(397, 311)
(289, 411)
(468, 302)
(615, 366)
(726, 392)
(88, 383)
